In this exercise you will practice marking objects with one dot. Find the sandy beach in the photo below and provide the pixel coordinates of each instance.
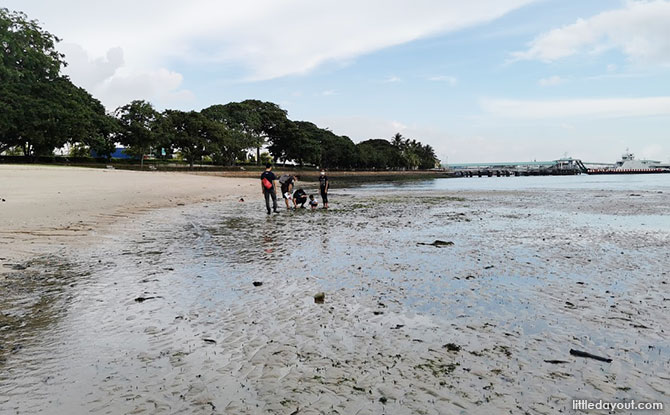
(46, 208)
(208, 307)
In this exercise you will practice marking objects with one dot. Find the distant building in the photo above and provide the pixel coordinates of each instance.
(117, 154)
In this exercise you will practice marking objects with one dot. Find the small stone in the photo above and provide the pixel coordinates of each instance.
(257, 283)
(143, 299)
(319, 298)
(452, 347)
(437, 243)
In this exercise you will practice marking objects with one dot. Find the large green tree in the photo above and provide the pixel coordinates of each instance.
(104, 141)
(40, 109)
(296, 141)
(186, 132)
(256, 121)
(379, 154)
(305, 143)
(138, 125)
(196, 136)
(337, 151)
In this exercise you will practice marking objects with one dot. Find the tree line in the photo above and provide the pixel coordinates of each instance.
(41, 110)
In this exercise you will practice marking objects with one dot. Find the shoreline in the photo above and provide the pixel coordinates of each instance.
(244, 170)
(47, 208)
(352, 175)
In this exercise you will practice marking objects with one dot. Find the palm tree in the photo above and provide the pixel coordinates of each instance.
(398, 140)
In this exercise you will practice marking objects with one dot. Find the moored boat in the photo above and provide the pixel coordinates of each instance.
(629, 165)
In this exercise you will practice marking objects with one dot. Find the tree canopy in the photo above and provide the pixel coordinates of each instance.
(138, 125)
(252, 120)
(42, 110)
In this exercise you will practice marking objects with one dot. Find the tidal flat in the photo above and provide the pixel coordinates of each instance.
(209, 307)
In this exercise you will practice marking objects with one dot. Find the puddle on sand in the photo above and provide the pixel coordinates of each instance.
(163, 315)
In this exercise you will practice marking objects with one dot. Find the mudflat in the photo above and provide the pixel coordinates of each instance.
(434, 301)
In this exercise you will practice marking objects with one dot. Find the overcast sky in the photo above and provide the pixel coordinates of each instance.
(482, 80)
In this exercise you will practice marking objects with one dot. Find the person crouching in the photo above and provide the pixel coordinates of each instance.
(299, 198)
(313, 203)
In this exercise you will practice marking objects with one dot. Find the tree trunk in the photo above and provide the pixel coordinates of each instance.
(258, 156)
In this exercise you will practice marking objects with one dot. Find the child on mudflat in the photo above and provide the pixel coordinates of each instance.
(313, 203)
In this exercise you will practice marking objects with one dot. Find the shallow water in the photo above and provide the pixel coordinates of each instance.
(162, 316)
(632, 182)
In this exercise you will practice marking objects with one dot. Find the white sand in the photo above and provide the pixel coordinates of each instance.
(46, 208)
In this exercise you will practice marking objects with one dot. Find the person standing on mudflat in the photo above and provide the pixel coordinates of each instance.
(268, 187)
(324, 184)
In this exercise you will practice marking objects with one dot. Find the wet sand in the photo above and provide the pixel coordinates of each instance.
(161, 315)
(45, 208)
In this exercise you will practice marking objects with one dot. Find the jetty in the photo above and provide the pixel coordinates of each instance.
(561, 167)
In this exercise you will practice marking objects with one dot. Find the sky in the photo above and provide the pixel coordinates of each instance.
(480, 81)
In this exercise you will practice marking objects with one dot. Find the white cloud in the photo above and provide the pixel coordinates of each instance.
(641, 30)
(267, 38)
(551, 81)
(109, 80)
(160, 86)
(87, 71)
(391, 80)
(328, 92)
(593, 108)
(451, 80)
(398, 126)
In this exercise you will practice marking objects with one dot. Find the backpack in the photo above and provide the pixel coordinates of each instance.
(266, 183)
(284, 179)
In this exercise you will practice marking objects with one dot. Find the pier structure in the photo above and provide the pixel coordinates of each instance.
(560, 167)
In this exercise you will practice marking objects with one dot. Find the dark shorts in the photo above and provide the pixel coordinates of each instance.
(324, 196)
(284, 190)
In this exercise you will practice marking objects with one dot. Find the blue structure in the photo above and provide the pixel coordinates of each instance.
(117, 154)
